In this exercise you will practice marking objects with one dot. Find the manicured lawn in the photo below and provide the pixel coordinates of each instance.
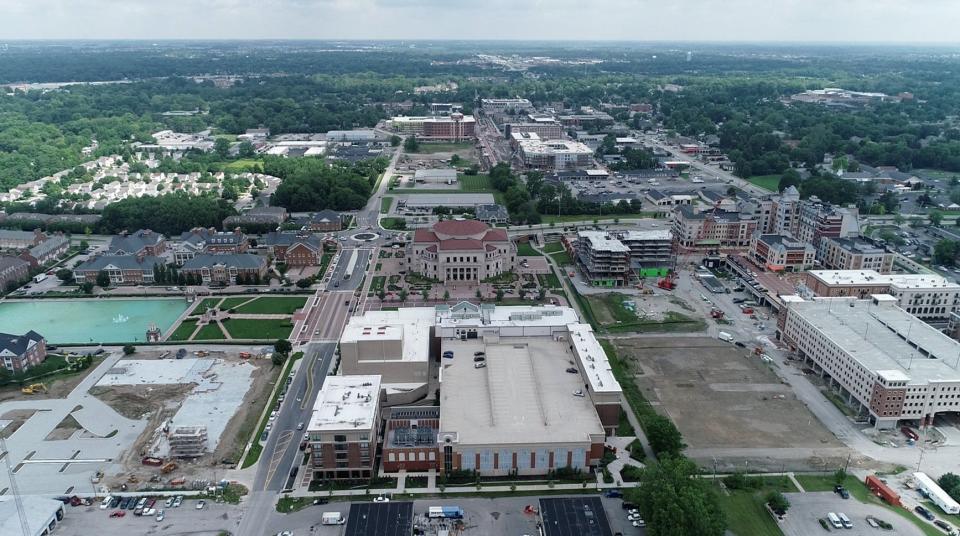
(553, 247)
(475, 183)
(230, 303)
(265, 329)
(561, 258)
(549, 280)
(255, 448)
(324, 263)
(183, 331)
(210, 332)
(525, 249)
(244, 164)
(272, 305)
(385, 203)
(204, 305)
(769, 182)
(394, 224)
(377, 283)
(746, 515)
(426, 148)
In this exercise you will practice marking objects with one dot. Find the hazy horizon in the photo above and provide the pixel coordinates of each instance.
(920, 22)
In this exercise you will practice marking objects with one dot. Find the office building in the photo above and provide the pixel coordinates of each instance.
(140, 244)
(462, 250)
(505, 105)
(546, 130)
(854, 254)
(929, 297)
(712, 229)
(455, 127)
(781, 253)
(883, 360)
(296, 248)
(344, 427)
(393, 344)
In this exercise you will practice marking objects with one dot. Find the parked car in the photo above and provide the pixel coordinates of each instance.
(572, 370)
(480, 365)
(177, 501)
(842, 491)
(613, 493)
(118, 513)
(200, 504)
(479, 359)
(927, 514)
(160, 515)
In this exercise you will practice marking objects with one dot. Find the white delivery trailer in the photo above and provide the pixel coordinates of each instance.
(936, 493)
(332, 518)
(724, 336)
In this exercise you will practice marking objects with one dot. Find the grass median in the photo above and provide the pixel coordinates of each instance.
(255, 447)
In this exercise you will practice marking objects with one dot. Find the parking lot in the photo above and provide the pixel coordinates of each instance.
(213, 518)
(807, 508)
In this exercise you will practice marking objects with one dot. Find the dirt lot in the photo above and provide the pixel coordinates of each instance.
(57, 388)
(160, 402)
(719, 397)
(16, 417)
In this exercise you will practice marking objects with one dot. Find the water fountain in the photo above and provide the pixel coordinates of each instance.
(120, 319)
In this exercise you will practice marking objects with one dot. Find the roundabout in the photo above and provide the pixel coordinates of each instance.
(364, 237)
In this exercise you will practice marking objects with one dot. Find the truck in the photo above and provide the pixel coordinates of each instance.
(724, 336)
(39, 277)
(351, 265)
(937, 495)
(332, 518)
(445, 512)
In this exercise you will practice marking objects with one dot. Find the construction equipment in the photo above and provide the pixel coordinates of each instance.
(668, 282)
(34, 388)
(169, 468)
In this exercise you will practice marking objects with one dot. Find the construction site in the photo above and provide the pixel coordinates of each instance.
(155, 419)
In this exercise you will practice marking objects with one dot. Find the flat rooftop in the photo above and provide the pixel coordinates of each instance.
(411, 325)
(346, 403)
(523, 396)
(662, 234)
(601, 241)
(470, 315)
(455, 200)
(877, 337)
(595, 360)
(872, 277)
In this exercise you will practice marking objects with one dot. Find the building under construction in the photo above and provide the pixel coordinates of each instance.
(188, 441)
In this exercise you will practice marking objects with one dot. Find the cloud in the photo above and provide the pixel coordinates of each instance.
(677, 20)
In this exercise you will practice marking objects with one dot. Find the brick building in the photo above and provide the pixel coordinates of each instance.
(462, 250)
(344, 427)
(21, 352)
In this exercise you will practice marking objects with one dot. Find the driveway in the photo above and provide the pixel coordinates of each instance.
(807, 508)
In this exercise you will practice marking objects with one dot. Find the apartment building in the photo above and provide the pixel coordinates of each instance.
(505, 105)
(47, 251)
(781, 253)
(817, 221)
(344, 427)
(854, 254)
(712, 229)
(881, 359)
(552, 155)
(603, 260)
(18, 240)
(13, 270)
(455, 127)
(21, 352)
(227, 269)
(462, 250)
(546, 130)
(929, 297)
(123, 270)
(140, 244)
(200, 240)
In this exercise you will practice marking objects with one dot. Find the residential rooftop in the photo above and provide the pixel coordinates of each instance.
(601, 241)
(345, 403)
(410, 325)
(872, 277)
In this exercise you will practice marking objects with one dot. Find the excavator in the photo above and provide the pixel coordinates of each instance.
(34, 388)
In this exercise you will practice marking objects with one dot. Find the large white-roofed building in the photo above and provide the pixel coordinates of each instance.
(884, 361)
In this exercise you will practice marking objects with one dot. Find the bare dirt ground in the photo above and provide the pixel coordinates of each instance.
(59, 387)
(243, 422)
(720, 396)
(65, 430)
(16, 417)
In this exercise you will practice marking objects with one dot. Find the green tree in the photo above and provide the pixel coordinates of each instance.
(663, 436)
(84, 245)
(403, 295)
(411, 145)
(446, 294)
(499, 294)
(304, 283)
(382, 294)
(103, 279)
(221, 146)
(86, 287)
(790, 177)
(394, 140)
(282, 346)
(246, 149)
(676, 503)
(945, 251)
(455, 160)
(129, 349)
(951, 484)
(839, 476)
(778, 503)
(899, 219)
(278, 358)
(936, 217)
(65, 275)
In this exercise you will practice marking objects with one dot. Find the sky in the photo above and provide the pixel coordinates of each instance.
(885, 21)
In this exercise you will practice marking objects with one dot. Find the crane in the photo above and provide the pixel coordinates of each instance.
(17, 499)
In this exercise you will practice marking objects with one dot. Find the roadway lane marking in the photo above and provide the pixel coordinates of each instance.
(279, 449)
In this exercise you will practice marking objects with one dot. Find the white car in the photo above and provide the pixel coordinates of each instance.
(639, 523)
(106, 502)
(149, 512)
(160, 515)
(381, 499)
(201, 504)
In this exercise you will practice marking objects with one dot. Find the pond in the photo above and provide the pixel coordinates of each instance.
(90, 321)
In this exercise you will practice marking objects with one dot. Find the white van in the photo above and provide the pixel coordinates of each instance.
(724, 336)
(845, 521)
(834, 520)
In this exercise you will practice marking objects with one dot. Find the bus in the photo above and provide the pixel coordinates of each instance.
(351, 264)
(445, 512)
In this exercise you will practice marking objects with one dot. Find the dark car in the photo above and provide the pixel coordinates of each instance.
(613, 493)
(572, 370)
(124, 501)
(842, 491)
(944, 525)
(628, 505)
(479, 358)
(740, 344)
(115, 502)
(924, 512)
(133, 503)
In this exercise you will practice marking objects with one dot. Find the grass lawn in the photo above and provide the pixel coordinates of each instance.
(377, 283)
(230, 303)
(549, 280)
(553, 247)
(608, 313)
(525, 249)
(210, 332)
(324, 263)
(204, 305)
(266, 329)
(385, 203)
(183, 331)
(255, 448)
(276, 305)
(394, 224)
(769, 182)
(860, 492)
(746, 515)
(244, 164)
(561, 258)
(427, 148)
(475, 183)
